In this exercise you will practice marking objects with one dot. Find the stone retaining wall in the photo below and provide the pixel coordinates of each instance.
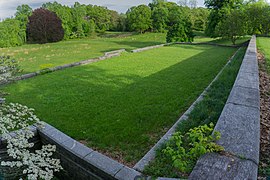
(78, 161)
(81, 162)
(239, 125)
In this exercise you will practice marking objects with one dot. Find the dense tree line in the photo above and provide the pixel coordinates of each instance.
(229, 19)
(82, 20)
(232, 19)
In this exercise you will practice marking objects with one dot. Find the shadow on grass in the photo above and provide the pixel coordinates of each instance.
(114, 109)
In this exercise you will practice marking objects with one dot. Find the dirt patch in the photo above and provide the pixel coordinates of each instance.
(265, 118)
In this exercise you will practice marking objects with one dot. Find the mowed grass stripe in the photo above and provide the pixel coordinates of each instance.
(125, 104)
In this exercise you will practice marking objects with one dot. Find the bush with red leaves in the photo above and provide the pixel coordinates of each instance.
(44, 26)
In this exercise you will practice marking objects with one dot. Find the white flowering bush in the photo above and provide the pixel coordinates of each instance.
(14, 128)
(8, 68)
(38, 164)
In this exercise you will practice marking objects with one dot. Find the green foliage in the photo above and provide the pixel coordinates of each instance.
(11, 33)
(185, 149)
(160, 14)
(8, 69)
(139, 18)
(233, 25)
(258, 17)
(22, 14)
(198, 18)
(217, 13)
(64, 13)
(180, 27)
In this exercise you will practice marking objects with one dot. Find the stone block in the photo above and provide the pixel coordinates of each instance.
(76, 148)
(245, 96)
(240, 131)
(103, 163)
(214, 166)
(53, 135)
(127, 173)
(248, 80)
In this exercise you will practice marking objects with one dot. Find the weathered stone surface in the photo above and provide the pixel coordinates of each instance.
(245, 96)
(104, 163)
(248, 80)
(127, 173)
(217, 167)
(249, 68)
(162, 178)
(240, 131)
(26, 76)
(76, 148)
(53, 135)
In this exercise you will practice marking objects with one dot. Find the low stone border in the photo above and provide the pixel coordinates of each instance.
(150, 47)
(107, 55)
(214, 44)
(150, 155)
(239, 125)
(78, 161)
(81, 162)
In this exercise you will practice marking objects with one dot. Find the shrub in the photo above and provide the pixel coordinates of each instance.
(11, 33)
(44, 26)
(8, 69)
(185, 150)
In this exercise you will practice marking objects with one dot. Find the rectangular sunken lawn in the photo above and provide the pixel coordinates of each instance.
(124, 105)
(34, 57)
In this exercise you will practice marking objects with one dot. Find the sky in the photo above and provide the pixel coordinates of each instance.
(8, 7)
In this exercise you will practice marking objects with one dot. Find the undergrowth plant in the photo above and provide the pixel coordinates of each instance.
(15, 121)
(185, 149)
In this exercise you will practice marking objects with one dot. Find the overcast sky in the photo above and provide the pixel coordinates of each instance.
(8, 7)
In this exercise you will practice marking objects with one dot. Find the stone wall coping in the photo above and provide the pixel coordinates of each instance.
(89, 159)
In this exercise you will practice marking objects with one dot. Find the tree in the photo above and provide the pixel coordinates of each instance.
(139, 18)
(44, 26)
(180, 27)
(160, 17)
(233, 25)
(64, 13)
(217, 13)
(101, 16)
(258, 17)
(198, 18)
(10, 33)
(22, 14)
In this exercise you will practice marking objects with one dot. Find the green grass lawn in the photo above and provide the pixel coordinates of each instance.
(33, 57)
(125, 104)
(263, 44)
